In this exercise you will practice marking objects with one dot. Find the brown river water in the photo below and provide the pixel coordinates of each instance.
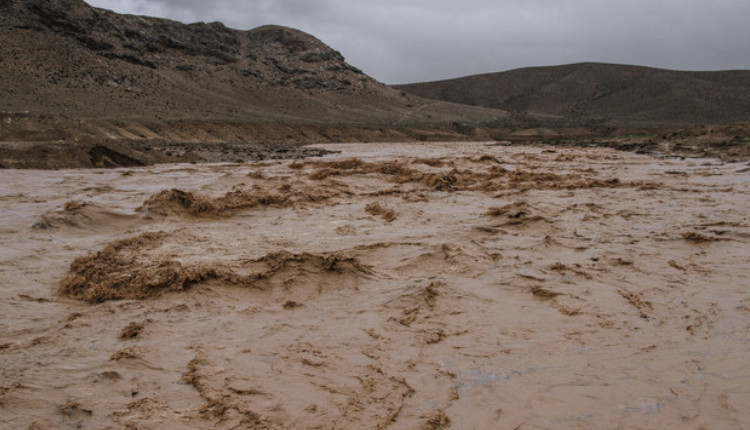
(400, 286)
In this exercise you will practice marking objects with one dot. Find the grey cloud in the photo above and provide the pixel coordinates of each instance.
(399, 41)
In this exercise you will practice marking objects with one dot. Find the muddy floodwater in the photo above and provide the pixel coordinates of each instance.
(399, 286)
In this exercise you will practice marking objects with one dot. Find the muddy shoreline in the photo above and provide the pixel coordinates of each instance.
(112, 154)
(30, 141)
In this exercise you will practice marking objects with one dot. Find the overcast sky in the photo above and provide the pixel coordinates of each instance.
(401, 41)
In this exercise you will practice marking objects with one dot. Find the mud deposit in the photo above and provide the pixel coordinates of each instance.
(418, 286)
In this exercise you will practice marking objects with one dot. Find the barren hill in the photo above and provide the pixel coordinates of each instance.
(617, 94)
(68, 61)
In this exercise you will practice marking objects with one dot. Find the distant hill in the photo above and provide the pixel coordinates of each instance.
(63, 57)
(617, 94)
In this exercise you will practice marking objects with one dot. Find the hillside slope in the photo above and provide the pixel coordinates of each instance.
(63, 57)
(83, 86)
(617, 94)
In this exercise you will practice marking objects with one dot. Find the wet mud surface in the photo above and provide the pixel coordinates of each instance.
(403, 286)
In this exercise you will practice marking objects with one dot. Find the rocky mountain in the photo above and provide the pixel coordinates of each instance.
(83, 86)
(63, 57)
(604, 93)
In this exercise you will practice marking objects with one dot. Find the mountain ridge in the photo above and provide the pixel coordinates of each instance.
(603, 92)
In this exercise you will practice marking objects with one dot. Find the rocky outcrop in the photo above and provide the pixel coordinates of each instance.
(271, 54)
